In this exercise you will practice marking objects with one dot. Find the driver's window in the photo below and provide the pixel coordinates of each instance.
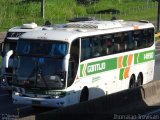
(73, 62)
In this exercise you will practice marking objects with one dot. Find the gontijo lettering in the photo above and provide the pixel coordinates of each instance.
(96, 67)
(148, 56)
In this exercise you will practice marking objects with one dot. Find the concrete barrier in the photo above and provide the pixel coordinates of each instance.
(2, 36)
(124, 102)
(151, 93)
(32, 117)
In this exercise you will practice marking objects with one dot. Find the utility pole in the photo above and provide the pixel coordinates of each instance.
(42, 8)
(158, 20)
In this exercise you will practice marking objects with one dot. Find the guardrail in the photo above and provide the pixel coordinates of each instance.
(124, 102)
(157, 34)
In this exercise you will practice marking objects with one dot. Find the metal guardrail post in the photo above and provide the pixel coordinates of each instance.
(42, 8)
(158, 21)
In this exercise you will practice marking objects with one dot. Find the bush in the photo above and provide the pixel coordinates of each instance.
(87, 2)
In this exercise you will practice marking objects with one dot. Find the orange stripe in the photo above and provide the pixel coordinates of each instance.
(120, 62)
(130, 57)
(126, 72)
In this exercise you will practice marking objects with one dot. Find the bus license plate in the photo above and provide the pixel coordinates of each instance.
(34, 102)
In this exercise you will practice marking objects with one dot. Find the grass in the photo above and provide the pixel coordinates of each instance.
(16, 12)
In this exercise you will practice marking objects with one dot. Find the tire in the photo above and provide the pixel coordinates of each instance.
(140, 79)
(132, 83)
(9, 92)
(84, 95)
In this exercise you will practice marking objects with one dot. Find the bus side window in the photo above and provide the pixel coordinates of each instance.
(130, 41)
(73, 62)
(126, 41)
(150, 37)
(147, 37)
(116, 47)
(119, 45)
(96, 46)
(107, 45)
(85, 48)
(138, 42)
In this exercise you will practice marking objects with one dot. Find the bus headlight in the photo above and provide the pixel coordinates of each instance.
(18, 91)
(57, 94)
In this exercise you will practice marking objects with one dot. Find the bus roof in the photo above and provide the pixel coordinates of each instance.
(15, 32)
(70, 31)
(24, 27)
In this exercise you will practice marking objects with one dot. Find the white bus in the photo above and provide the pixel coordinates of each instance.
(82, 61)
(8, 47)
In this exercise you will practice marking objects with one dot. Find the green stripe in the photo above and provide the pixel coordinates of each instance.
(111, 64)
(135, 58)
(144, 56)
(99, 66)
(81, 69)
(121, 74)
(125, 60)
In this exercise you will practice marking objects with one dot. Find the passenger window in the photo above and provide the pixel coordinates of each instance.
(107, 45)
(129, 40)
(85, 48)
(138, 42)
(148, 37)
(119, 45)
(96, 46)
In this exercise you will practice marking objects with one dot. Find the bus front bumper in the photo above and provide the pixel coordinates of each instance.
(42, 102)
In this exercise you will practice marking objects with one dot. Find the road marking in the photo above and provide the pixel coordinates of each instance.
(25, 107)
(153, 112)
(4, 95)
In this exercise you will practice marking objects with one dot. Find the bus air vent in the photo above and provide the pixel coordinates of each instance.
(95, 25)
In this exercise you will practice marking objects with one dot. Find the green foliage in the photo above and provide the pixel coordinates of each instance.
(16, 12)
(87, 2)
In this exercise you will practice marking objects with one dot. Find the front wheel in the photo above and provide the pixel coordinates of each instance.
(84, 95)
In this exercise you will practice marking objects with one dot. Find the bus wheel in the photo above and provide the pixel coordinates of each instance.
(10, 92)
(84, 94)
(140, 79)
(132, 83)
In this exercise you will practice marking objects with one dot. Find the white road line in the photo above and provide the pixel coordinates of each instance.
(4, 95)
(153, 112)
(25, 107)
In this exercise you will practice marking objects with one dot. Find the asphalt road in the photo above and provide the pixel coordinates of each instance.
(10, 110)
(7, 108)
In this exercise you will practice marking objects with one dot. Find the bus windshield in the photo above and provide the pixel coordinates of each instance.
(41, 64)
(42, 48)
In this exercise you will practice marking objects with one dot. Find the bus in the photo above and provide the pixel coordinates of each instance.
(8, 47)
(82, 61)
